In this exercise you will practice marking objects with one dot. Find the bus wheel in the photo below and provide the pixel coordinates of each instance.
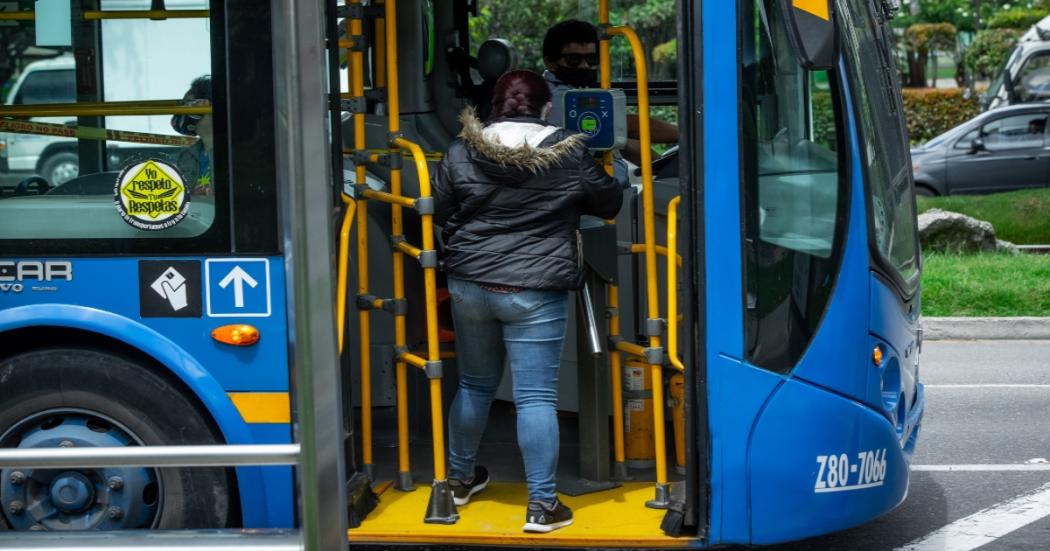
(84, 398)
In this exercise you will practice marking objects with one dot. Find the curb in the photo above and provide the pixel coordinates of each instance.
(1027, 328)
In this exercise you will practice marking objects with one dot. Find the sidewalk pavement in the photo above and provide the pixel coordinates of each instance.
(955, 328)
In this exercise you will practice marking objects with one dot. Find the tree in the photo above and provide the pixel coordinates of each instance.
(989, 51)
(921, 40)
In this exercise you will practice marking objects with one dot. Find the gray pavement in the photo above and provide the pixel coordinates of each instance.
(1005, 424)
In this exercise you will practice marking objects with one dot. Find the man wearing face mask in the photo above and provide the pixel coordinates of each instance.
(570, 53)
(195, 161)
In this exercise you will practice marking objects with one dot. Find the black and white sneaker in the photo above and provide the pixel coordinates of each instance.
(540, 518)
(461, 491)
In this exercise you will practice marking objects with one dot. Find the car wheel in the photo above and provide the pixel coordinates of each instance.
(85, 398)
(60, 168)
(923, 191)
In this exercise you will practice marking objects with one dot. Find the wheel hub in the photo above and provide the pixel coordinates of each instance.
(72, 492)
(80, 499)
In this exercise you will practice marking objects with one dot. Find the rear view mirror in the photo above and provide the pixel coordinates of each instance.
(977, 145)
(811, 31)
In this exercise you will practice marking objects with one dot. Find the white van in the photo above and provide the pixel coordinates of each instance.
(47, 81)
(140, 68)
(1025, 77)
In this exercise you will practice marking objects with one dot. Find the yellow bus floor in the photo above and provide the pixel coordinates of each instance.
(615, 518)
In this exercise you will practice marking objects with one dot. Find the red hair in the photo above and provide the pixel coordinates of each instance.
(519, 94)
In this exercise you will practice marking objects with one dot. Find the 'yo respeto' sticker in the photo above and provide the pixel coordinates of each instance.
(151, 195)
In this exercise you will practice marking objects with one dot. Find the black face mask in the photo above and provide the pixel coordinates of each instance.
(186, 124)
(577, 77)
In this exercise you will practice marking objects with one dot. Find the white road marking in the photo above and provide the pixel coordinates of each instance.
(981, 468)
(988, 525)
(986, 386)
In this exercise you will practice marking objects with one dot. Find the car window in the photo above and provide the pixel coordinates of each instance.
(41, 87)
(966, 141)
(1034, 83)
(1016, 132)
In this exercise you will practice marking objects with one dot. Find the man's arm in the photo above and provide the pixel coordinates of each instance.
(659, 131)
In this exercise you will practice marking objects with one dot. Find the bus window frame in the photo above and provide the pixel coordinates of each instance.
(784, 363)
(906, 290)
(243, 163)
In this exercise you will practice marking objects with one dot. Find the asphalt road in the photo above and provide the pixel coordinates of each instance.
(987, 408)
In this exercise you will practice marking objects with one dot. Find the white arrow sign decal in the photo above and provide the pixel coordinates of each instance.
(238, 277)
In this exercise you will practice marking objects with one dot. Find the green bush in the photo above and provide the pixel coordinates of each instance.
(823, 120)
(989, 51)
(1017, 18)
(931, 111)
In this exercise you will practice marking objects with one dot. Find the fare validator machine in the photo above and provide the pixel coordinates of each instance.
(601, 116)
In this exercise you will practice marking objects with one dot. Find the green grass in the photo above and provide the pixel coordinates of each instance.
(986, 285)
(1018, 216)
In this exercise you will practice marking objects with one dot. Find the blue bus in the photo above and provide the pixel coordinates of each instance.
(742, 364)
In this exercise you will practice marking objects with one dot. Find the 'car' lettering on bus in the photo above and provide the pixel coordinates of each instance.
(40, 271)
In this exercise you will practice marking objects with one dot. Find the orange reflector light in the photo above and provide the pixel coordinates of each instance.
(876, 356)
(236, 335)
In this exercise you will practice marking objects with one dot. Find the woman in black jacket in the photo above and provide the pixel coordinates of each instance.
(510, 194)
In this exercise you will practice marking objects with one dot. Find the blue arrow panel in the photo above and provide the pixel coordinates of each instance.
(237, 287)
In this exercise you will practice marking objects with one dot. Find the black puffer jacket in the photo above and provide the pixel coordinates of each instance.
(510, 196)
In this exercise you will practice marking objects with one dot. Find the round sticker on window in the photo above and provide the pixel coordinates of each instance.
(151, 195)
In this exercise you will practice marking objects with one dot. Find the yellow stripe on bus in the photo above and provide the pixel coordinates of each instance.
(818, 8)
(263, 407)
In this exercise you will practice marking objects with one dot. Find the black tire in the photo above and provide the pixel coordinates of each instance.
(924, 191)
(148, 405)
(60, 168)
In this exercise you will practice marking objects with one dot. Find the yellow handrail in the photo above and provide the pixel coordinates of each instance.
(344, 261)
(96, 15)
(429, 273)
(103, 109)
(661, 250)
(613, 293)
(396, 224)
(155, 15)
(356, 77)
(652, 295)
(672, 284)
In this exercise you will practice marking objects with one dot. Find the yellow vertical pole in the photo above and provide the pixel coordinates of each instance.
(397, 229)
(440, 509)
(613, 293)
(652, 297)
(356, 77)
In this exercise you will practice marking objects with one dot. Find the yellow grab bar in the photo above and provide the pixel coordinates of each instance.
(613, 294)
(344, 261)
(146, 14)
(95, 15)
(102, 109)
(392, 198)
(662, 499)
(672, 284)
(660, 250)
(356, 77)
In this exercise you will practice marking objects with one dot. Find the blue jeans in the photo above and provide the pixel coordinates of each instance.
(527, 327)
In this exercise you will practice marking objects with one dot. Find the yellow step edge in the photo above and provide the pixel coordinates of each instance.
(263, 407)
(614, 518)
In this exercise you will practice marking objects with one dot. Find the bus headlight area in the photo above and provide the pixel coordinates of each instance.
(210, 336)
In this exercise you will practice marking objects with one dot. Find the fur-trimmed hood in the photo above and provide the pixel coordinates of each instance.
(515, 148)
